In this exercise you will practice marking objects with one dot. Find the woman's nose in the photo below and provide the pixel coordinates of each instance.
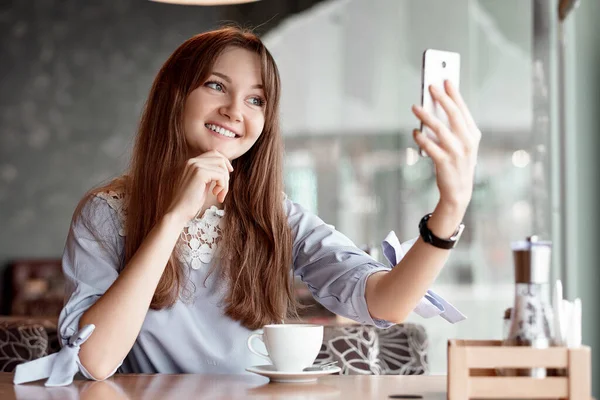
(232, 110)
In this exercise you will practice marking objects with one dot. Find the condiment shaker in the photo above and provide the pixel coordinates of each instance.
(530, 325)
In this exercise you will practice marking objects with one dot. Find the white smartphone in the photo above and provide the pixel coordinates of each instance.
(438, 66)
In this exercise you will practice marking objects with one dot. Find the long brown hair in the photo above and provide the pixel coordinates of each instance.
(256, 245)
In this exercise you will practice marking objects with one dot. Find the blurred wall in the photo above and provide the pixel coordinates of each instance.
(583, 164)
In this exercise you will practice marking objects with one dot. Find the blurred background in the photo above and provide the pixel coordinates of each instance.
(75, 76)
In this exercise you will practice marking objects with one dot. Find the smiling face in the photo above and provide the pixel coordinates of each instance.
(227, 112)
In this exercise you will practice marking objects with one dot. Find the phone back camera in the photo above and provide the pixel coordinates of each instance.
(443, 64)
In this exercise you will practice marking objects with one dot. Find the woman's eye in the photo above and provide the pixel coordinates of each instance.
(257, 101)
(214, 85)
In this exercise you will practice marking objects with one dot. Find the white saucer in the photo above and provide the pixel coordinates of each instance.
(290, 377)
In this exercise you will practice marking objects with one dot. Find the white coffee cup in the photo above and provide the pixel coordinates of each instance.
(290, 347)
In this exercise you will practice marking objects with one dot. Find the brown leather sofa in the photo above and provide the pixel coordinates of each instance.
(37, 288)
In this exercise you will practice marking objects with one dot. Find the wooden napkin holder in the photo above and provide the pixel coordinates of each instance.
(472, 371)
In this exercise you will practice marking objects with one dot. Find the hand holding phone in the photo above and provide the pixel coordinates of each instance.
(448, 133)
(438, 66)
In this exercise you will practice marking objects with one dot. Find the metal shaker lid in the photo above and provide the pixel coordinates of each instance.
(532, 260)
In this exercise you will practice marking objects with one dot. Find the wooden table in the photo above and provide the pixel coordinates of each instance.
(180, 387)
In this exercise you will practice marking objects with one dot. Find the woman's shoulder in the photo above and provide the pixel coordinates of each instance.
(299, 216)
(108, 202)
(293, 208)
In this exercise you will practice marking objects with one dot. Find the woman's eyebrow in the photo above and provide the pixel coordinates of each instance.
(228, 80)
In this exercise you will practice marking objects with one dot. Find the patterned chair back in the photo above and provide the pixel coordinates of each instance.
(367, 350)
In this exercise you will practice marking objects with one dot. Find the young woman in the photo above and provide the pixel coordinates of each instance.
(178, 261)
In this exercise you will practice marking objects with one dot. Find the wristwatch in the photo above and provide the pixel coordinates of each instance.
(440, 243)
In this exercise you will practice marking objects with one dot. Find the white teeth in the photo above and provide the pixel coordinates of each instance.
(220, 130)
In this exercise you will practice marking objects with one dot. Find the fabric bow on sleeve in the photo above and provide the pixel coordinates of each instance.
(59, 368)
(431, 304)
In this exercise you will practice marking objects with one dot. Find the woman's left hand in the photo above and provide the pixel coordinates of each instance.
(455, 155)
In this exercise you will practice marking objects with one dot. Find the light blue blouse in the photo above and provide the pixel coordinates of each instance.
(195, 336)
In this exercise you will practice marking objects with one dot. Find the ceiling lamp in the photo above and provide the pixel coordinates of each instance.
(204, 2)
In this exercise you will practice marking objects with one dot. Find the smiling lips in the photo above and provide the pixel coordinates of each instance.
(221, 131)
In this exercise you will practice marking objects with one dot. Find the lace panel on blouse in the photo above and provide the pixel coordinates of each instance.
(198, 240)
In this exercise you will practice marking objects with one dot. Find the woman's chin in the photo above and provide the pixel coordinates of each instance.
(199, 150)
(231, 152)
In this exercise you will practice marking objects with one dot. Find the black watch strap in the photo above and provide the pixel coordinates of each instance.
(430, 238)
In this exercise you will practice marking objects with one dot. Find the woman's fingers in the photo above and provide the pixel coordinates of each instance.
(221, 179)
(459, 101)
(207, 172)
(445, 136)
(226, 163)
(435, 152)
(213, 173)
(215, 155)
(215, 163)
(210, 167)
(455, 116)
